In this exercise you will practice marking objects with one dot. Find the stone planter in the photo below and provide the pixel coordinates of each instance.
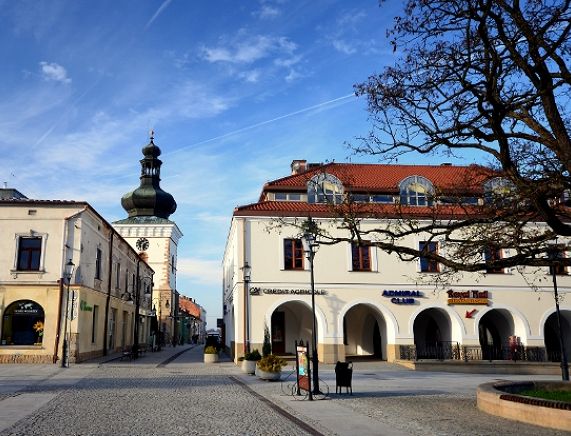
(249, 366)
(270, 376)
(210, 358)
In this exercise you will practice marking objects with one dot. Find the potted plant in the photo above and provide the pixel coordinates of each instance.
(250, 360)
(210, 354)
(270, 367)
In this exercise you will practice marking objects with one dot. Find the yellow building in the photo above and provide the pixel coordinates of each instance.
(93, 311)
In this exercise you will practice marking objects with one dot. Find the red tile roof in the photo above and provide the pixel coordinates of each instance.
(298, 208)
(385, 178)
(188, 306)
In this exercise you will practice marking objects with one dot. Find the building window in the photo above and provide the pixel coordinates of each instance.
(361, 256)
(416, 191)
(127, 281)
(94, 317)
(293, 254)
(499, 191)
(556, 254)
(29, 253)
(173, 269)
(23, 323)
(98, 259)
(118, 276)
(325, 188)
(493, 254)
(426, 264)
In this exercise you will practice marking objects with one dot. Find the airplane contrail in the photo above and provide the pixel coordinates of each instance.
(262, 123)
(159, 11)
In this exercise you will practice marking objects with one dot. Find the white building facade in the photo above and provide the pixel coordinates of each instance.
(369, 302)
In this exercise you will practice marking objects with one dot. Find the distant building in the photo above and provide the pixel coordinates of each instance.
(38, 238)
(149, 231)
(189, 320)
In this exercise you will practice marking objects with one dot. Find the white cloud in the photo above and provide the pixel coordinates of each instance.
(246, 50)
(206, 272)
(343, 46)
(268, 12)
(54, 72)
(251, 76)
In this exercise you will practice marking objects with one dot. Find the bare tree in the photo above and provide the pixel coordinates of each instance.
(490, 76)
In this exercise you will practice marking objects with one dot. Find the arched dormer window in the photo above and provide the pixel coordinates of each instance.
(416, 191)
(325, 188)
(498, 188)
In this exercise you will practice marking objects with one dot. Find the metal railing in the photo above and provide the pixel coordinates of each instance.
(450, 350)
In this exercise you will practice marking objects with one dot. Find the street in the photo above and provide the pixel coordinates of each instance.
(157, 396)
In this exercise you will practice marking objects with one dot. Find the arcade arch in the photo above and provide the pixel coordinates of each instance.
(365, 332)
(551, 335)
(432, 330)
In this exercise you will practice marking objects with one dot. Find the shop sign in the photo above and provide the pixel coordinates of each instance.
(402, 297)
(275, 291)
(27, 308)
(468, 297)
(85, 307)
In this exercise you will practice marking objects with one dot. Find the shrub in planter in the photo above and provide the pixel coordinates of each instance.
(249, 362)
(270, 367)
(253, 355)
(210, 354)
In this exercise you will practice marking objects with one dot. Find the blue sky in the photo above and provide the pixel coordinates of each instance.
(235, 90)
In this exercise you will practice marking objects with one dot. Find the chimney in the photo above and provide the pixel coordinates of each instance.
(298, 166)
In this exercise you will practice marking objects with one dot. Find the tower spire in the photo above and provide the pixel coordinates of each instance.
(149, 200)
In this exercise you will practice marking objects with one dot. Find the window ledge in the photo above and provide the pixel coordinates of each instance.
(16, 272)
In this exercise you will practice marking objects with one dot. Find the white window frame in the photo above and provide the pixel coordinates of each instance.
(30, 234)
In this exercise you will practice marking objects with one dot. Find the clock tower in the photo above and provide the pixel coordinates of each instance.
(150, 231)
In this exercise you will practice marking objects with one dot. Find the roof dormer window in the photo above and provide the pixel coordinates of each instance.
(498, 190)
(325, 188)
(416, 191)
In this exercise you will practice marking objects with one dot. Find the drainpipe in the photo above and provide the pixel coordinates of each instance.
(108, 299)
(64, 248)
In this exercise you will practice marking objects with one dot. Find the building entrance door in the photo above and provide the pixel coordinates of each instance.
(278, 333)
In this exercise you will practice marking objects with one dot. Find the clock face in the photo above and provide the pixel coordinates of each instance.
(142, 244)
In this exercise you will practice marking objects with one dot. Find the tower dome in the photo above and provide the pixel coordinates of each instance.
(149, 201)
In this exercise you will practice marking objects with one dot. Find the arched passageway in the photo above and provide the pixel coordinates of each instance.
(433, 334)
(551, 335)
(290, 322)
(364, 332)
(23, 324)
(494, 331)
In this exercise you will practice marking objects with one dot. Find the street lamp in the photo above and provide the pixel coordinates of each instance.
(246, 270)
(310, 247)
(135, 348)
(69, 267)
(564, 364)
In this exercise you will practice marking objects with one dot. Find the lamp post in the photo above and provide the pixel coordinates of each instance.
(135, 348)
(69, 267)
(246, 270)
(310, 247)
(564, 364)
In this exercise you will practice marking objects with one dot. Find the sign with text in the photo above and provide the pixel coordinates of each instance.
(275, 291)
(302, 366)
(468, 297)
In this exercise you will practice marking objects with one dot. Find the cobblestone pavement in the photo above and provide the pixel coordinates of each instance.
(125, 399)
(187, 396)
